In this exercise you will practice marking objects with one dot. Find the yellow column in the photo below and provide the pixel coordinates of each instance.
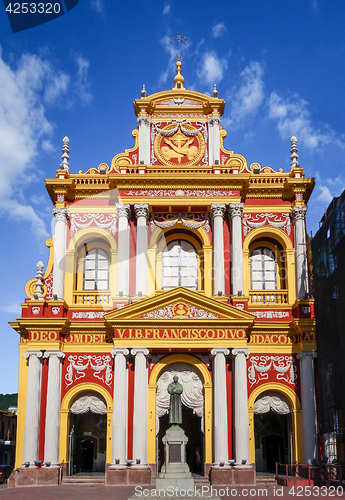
(70, 269)
(151, 275)
(251, 436)
(109, 435)
(113, 273)
(208, 423)
(291, 275)
(208, 275)
(64, 436)
(151, 445)
(22, 388)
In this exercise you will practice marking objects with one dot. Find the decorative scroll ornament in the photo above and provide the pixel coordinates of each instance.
(88, 402)
(218, 209)
(283, 365)
(104, 221)
(176, 311)
(280, 221)
(271, 401)
(298, 213)
(98, 363)
(61, 214)
(192, 221)
(192, 396)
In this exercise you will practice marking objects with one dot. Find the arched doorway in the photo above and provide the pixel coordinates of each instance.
(88, 433)
(192, 413)
(272, 431)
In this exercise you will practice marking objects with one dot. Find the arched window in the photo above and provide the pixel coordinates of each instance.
(263, 269)
(96, 270)
(179, 265)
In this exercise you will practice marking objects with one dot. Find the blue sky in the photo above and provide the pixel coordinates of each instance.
(280, 65)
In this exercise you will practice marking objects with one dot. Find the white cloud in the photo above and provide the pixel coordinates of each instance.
(98, 6)
(247, 96)
(167, 8)
(294, 118)
(219, 30)
(82, 83)
(171, 49)
(13, 309)
(28, 87)
(24, 130)
(212, 68)
(325, 195)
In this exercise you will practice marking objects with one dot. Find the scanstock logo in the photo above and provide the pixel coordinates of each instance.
(26, 15)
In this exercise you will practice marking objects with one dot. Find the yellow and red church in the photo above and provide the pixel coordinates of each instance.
(177, 259)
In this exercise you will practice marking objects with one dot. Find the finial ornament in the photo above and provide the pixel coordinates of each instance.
(179, 39)
(143, 93)
(38, 294)
(294, 155)
(65, 152)
(215, 91)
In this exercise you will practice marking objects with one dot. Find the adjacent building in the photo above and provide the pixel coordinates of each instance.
(328, 250)
(177, 258)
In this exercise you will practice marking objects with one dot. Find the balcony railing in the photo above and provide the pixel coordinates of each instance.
(264, 297)
(85, 298)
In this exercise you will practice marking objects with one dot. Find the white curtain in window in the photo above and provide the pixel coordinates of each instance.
(263, 269)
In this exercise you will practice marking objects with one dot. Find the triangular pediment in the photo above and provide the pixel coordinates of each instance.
(180, 304)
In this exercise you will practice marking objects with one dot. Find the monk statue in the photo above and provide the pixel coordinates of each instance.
(175, 390)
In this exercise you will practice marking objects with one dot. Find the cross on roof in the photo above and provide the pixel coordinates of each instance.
(179, 39)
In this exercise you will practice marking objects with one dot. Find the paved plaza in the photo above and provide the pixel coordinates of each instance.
(100, 492)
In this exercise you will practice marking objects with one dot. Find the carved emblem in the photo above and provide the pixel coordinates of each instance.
(178, 144)
(181, 310)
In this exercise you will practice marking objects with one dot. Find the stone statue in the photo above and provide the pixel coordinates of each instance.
(175, 390)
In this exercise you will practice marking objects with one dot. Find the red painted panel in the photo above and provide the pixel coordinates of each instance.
(132, 259)
(71, 376)
(43, 408)
(226, 235)
(264, 368)
(130, 410)
(229, 397)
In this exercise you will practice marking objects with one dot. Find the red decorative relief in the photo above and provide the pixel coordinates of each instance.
(85, 368)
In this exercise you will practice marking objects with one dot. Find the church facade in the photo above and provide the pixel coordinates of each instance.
(177, 259)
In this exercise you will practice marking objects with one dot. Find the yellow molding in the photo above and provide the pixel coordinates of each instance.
(208, 419)
(296, 415)
(30, 285)
(22, 391)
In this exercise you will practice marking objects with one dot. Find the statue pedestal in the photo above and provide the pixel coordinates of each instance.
(175, 471)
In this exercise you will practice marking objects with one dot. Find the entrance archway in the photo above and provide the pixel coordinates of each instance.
(205, 416)
(272, 430)
(71, 398)
(192, 413)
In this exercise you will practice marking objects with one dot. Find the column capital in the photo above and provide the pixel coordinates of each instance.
(298, 213)
(123, 210)
(144, 120)
(141, 210)
(304, 354)
(29, 353)
(236, 209)
(119, 350)
(218, 209)
(214, 120)
(240, 350)
(61, 214)
(57, 353)
(140, 350)
(220, 350)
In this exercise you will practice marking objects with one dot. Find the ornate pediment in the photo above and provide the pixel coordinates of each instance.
(180, 304)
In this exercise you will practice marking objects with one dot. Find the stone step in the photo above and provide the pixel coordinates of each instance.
(266, 480)
(87, 480)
